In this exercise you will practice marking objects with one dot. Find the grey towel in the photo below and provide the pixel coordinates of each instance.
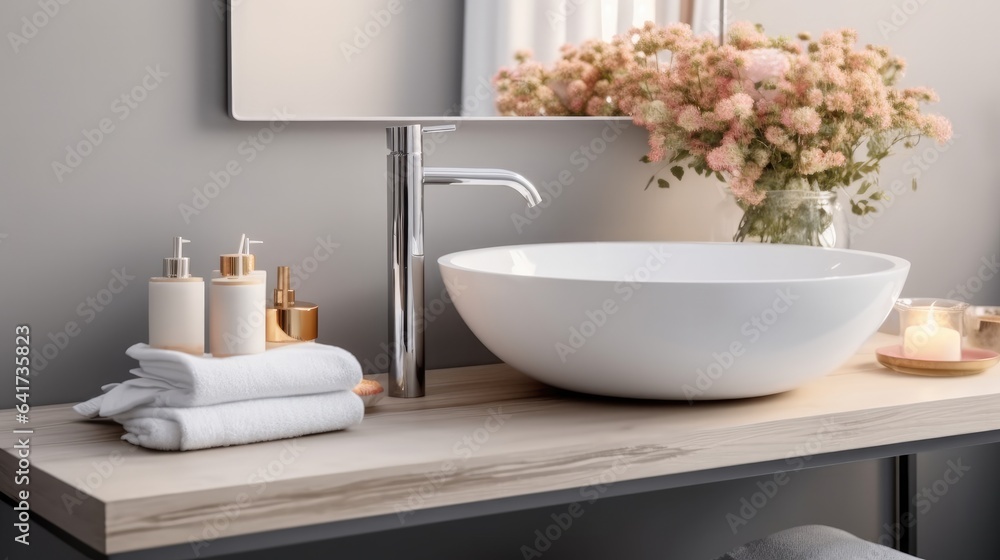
(813, 542)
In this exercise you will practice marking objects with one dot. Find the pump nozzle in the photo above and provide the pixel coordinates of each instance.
(241, 263)
(246, 244)
(177, 266)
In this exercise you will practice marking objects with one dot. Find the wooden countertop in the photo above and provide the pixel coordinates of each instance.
(482, 433)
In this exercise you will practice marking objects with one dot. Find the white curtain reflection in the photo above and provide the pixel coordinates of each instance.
(496, 29)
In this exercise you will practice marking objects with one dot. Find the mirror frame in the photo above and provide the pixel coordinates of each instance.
(231, 109)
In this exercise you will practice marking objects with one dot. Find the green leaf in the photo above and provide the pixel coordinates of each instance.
(677, 171)
(864, 187)
(649, 182)
(719, 176)
(644, 159)
(663, 184)
(681, 154)
(877, 195)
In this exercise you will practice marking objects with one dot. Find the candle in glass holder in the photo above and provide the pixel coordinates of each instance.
(931, 341)
(931, 329)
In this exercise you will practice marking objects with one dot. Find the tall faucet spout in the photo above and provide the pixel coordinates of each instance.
(482, 177)
(406, 176)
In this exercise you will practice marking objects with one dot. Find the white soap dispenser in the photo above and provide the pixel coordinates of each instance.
(177, 306)
(237, 303)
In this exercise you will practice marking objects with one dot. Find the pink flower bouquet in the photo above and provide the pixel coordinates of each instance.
(761, 113)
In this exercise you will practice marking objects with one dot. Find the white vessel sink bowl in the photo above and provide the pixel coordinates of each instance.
(686, 321)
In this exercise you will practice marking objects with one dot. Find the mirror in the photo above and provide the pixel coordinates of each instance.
(317, 60)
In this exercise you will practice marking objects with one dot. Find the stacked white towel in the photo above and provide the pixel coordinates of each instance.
(181, 402)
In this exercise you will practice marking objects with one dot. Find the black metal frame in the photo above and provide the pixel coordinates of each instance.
(906, 509)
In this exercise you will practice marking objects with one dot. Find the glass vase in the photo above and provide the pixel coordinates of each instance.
(792, 217)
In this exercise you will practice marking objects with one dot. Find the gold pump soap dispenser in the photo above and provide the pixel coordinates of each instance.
(290, 321)
(237, 300)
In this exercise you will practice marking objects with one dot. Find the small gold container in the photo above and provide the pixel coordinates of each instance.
(288, 320)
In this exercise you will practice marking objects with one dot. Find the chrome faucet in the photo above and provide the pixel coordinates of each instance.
(406, 178)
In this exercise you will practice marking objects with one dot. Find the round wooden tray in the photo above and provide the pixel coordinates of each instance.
(974, 360)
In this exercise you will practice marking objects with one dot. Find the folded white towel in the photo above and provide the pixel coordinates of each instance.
(175, 379)
(235, 423)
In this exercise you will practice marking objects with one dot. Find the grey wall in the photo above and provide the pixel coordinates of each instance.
(63, 238)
